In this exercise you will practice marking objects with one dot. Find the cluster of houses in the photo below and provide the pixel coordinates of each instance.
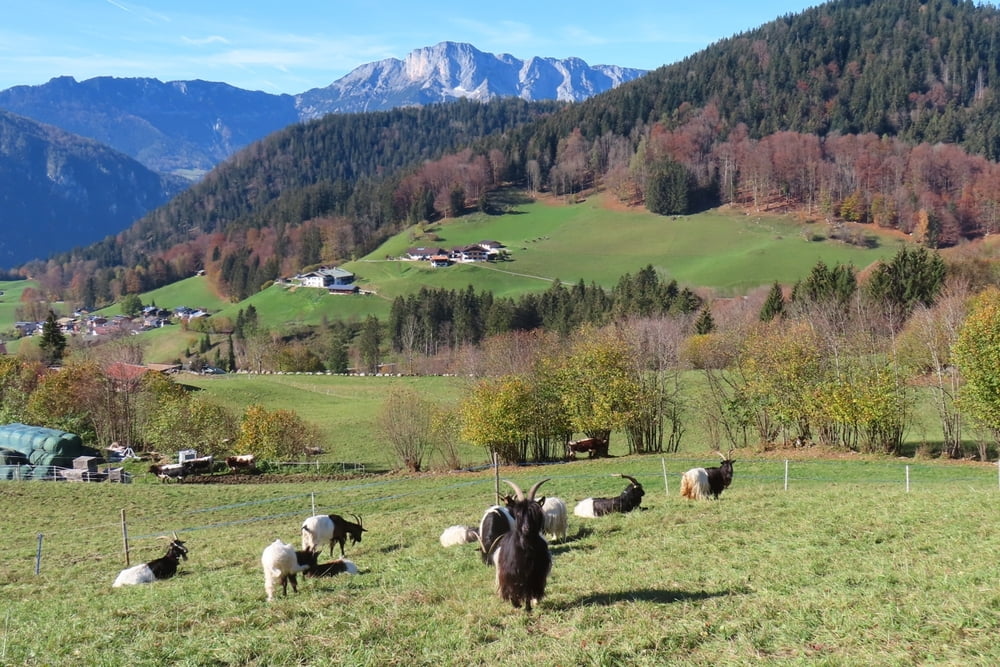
(484, 251)
(83, 323)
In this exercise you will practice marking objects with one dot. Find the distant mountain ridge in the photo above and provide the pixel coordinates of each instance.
(59, 190)
(188, 127)
(451, 70)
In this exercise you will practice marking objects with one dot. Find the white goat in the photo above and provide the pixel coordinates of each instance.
(281, 563)
(556, 523)
(455, 535)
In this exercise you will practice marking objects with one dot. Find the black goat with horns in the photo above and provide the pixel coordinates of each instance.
(522, 557)
(626, 501)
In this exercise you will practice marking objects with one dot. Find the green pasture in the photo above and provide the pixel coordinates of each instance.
(845, 567)
(728, 251)
(344, 408)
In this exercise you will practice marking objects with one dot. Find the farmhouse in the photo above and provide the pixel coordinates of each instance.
(425, 254)
(470, 253)
(334, 279)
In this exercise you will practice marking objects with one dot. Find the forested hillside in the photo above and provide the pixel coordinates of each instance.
(879, 112)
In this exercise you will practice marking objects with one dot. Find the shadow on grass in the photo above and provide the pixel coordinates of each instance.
(654, 595)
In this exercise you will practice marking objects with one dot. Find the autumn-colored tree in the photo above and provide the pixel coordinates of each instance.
(781, 366)
(598, 384)
(977, 355)
(495, 416)
(18, 379)
(924, 347)
(68, 400)
(276, 435)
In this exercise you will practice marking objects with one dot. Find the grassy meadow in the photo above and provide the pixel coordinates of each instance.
(344, 408)
(843, 567)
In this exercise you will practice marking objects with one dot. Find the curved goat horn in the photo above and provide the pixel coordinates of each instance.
(531, 492)
(721, 455)
(632, 479)
(517, 489)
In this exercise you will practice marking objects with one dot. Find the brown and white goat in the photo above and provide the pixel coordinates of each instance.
(522, 557)
(701, 483)
(321, 529)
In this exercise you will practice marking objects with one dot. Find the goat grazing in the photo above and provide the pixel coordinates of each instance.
(321, 529)
(455, 535)
(556, 524)
(522, 557)
(160, 568)
(245, 462)
(281, 562)
(626, 501)
(700, 483)
(332, 568)
(496, 522)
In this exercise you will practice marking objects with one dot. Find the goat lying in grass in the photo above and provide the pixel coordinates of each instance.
(160, 568)
(456, 535)
(332, 569)
(626, 501)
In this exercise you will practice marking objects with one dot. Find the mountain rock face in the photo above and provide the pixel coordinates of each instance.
(450, 70)
(187, 127)
(59, 190)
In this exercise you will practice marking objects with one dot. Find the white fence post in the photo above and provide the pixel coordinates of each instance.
(907, 479)
(786, 474)
(666, 486)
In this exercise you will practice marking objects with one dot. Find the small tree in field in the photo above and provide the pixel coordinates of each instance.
(977, 355)
(406, 423)
(274, 435)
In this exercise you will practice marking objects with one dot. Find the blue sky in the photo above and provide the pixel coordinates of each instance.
(292, 46)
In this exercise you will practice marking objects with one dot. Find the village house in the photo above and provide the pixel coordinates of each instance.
(425, 254)
(335, 279)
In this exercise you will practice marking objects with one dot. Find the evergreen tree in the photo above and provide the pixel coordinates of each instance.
(370, 343)
(774, 306)
(705, 323)
(53, 342)
(667, 189)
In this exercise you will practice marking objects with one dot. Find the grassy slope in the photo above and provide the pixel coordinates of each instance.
(593, 241)
(843, 568)
(596, 242)
(344, 408)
